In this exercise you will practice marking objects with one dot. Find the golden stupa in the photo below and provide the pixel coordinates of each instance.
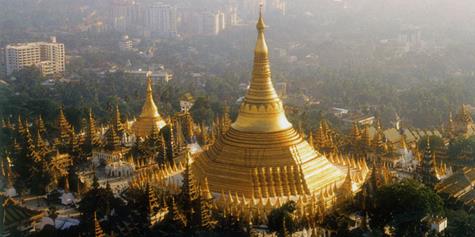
(262, 155)
(149, 116)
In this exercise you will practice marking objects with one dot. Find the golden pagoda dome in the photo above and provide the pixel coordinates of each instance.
(149, 116)
(262, 154)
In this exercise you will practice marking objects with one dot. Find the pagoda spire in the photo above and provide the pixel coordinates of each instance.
(180, 142)
(206, 218)
(310, 139)
(64, 126)
(149, 114)
(465, 114)
(66, 184)
(205, 190)
(321, 137)
(2, 167)
(427, 169)
(91, 132)
(30, 150)
(189, 191)
(40, 124)
(20, 128)
(152, 205)
(117, 120)
(176, 215)
(9, 174)
(162, 151)
(355, 132)
(113, 140)
(149, 108)
(97, 232)
(190, 135)
(40, 144)
(261, 110)
(347, 187)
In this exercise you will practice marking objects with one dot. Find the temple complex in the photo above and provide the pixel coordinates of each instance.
(244, 169)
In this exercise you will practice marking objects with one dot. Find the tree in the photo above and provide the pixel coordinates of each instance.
(283, 214)
(104, 197)
(201, 110)
(460, 146)
(435, 143)
(460, 223)
(189, 191)
(403, 205)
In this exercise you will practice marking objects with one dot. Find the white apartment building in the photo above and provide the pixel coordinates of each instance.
(162, 19)
(47, 56)
(209, 23)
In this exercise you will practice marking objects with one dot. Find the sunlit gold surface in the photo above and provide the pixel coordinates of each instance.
(262, 155)
(149, 116)
(261, 110)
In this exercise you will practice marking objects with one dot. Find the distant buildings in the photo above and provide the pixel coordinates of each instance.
(126, 44)
(281, 88)
(151, 19)
(209, 23)
(162, 75)
(168, 20)
(47, 56)
(186, 102)
(161, 19)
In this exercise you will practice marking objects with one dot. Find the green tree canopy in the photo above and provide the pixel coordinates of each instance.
(403, 205)
(435, 142)
(282, 215)
(461, 145)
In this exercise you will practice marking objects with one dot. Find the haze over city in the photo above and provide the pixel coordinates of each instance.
(312, 118)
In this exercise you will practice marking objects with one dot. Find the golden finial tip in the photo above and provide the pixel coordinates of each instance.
(260, 23)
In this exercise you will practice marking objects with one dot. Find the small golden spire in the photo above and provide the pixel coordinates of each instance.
(206, 193)
(98, 232)
(149, 108)
(149, 115)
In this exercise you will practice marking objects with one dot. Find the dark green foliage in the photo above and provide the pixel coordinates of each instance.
(284, 214)
(403, 205)
(435, 143)
(102, 201)
(202, 111)
(339, 222)
(460, 223)
(461, 145)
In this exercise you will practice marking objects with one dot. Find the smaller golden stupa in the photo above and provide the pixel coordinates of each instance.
(149, 116)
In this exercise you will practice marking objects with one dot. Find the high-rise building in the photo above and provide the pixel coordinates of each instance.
(231, 16)
(47, 56)
(208, 23)
(161, 19)
(221, 21)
